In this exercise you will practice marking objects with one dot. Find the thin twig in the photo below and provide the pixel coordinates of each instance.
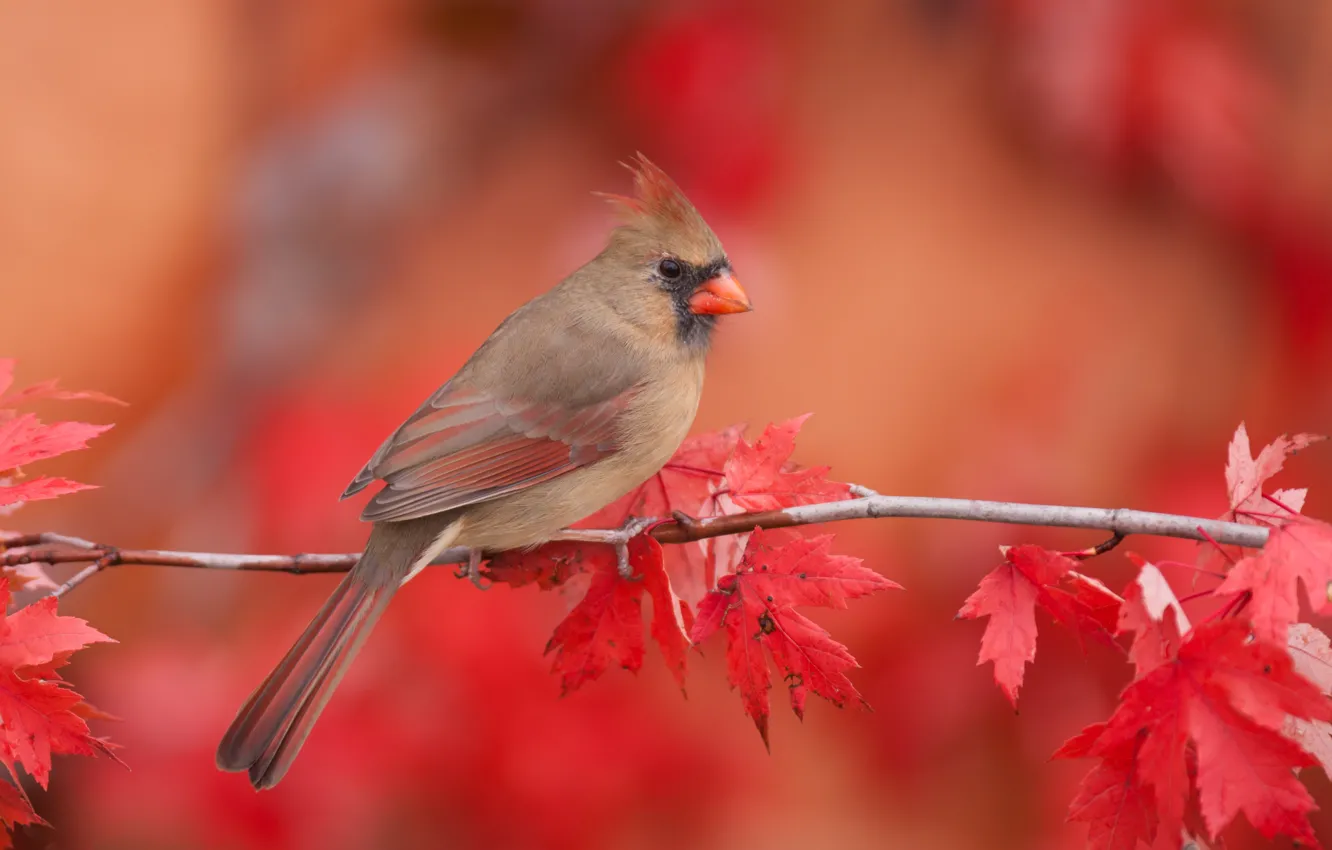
(110, 559)
(13, 541)
(1099, 549)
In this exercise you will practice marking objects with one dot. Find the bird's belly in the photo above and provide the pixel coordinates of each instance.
(534, 515)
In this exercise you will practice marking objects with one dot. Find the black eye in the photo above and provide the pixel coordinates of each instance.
(670, 268)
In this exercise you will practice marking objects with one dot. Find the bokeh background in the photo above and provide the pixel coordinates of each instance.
(1038, 250)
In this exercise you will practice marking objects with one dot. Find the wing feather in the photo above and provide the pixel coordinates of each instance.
(464, 446)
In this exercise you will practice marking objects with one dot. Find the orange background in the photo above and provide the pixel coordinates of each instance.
(1026, 249)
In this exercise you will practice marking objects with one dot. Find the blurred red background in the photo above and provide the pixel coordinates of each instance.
(1026, 249)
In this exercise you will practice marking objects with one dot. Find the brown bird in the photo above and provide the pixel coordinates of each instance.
(577, 397)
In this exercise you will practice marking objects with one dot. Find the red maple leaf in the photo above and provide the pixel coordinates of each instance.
(746, 667)
(1100, 609)
(37, 709)
(669, 628)
(39, 721)
(803, 571)
(1311, 653)
(1146, 601)
(1299, 549)
(1009, 594)
(761, 477)
(15, 809)
(1246, 475)
(606, 626)
(37, 489)
(1118, 810)
(24, 439)
(31, 576)
(1088, 609)
(809, 658)
(1246, 767)
(1229, 695)
(553, 564)
(37, 635)
(45, 389)
(756, 607)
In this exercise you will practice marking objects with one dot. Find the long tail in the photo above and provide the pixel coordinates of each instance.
(273, 724)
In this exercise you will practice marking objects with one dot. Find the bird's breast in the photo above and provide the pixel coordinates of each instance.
(658, 418)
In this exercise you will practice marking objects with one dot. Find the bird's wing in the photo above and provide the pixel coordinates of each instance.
(466, 446)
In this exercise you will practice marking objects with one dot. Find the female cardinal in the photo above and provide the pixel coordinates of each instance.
(577, 397)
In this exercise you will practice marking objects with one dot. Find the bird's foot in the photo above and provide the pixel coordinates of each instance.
(617, 537)
(632, 527)
(472, 571)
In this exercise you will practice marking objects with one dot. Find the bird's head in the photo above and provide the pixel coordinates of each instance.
(666, 246)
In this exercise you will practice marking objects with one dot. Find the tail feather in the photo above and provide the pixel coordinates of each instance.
(271, 727)
(273, 724)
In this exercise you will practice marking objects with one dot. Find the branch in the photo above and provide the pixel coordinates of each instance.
(1118, 521)
(50, 548)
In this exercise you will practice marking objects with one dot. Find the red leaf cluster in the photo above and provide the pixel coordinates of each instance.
(25, 439)
(1146, 601)
(1226, 712)
(1219, 712)
(756, 606)
(40, 715)
(716, 475)
(1228, 696)
(754, 599)
(1298, 548)
(606, 626)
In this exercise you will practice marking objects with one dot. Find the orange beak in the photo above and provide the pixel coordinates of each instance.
(717, 295)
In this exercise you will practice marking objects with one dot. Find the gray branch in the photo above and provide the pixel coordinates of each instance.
(18, 549)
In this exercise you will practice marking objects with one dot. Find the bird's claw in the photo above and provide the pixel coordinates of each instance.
(632, 527)
(618, 538)
(472, 571)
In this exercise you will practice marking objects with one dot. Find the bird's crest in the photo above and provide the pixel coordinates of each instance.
(658, 207)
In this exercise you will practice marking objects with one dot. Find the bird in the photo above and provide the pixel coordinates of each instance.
(576, 398)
